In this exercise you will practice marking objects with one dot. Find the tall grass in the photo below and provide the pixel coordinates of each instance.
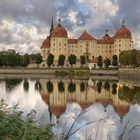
(13, 126)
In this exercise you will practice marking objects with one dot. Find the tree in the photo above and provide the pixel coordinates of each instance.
(61, 87)
(107, 86)
(38, 59)
(82, 59)
(50, 59)
(71, 87)
(115, 60)
(50, 86)
(99, 87)
(26, 85)
(72, 59)
(124, 57)
(138, 58)
(107, 62)
(24, 60)
(100, 63)
(114, 89)
(61, 60)
(82, 87)
(132, 58)
(38, 86)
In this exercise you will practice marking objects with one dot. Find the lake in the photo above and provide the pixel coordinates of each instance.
(79, 109)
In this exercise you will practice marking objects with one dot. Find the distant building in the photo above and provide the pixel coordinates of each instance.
(58, 43)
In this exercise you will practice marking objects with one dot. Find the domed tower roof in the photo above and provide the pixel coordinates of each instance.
(123, 32)
(46, 43)
(59, 31)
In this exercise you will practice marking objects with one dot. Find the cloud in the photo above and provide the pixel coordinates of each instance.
(25, 24)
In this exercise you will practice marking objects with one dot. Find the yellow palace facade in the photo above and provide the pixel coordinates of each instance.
(58, 43)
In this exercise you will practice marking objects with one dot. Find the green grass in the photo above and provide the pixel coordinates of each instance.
(72, 73)
(13, 126)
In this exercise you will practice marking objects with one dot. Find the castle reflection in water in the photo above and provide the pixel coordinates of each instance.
(58, 92)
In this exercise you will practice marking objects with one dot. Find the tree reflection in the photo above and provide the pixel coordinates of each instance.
(26, 85)
(114, 89)
(61, 87)
(49, 86)
(131, 95)
(12, 83)
(71, 87)
(107, 86)
(82, 87)
(99, 87)
(38, 86)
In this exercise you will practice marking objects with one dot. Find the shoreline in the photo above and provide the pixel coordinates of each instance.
(59, 71)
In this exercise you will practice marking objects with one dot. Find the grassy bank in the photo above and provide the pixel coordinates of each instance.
(72, 73)
(13, 126)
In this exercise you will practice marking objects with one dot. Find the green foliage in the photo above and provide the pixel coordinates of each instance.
(128, 94)
(72, 59)
(26, 85)
(24, 60)
(131, 57)
(12, 83)
(61, 60)
(37, 59)
(82, 59)
(49, 86)
(50, 59)
(107, 86)
(115, 60)
(38, 86)
(100, 63)
(82, 87)
(114, 89)
(61, 87)
(13, 126)
(99, 87)
(71, 87)
(107, 62)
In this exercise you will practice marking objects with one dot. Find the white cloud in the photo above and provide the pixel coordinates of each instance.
(21, 37)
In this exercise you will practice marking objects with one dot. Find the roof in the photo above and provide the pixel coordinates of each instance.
(123, 32)
(46, 43)
(58, 110)
(86, 36)
(106, 39)
(59, 31)
(122, 110)
(45, 97)
(72, 41)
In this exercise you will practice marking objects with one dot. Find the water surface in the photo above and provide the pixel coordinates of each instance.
(79, 109)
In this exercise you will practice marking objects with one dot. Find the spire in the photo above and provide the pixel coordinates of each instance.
(59, 22)
(123, 22)
(106, 31)
(51, 26)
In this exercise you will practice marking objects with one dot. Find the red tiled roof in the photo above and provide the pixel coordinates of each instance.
(106, 39)
(59, 31)
(72, 41)
(58, 110)
(123, 32)
(122, 110)
(86, 36)
(46, 43)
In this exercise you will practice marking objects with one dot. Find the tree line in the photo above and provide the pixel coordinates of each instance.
(131, 57)
(11, 58)
(73, 59)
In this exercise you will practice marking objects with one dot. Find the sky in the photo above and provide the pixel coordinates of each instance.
(24, 24)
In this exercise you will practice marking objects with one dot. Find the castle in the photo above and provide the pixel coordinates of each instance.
(58, 43)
